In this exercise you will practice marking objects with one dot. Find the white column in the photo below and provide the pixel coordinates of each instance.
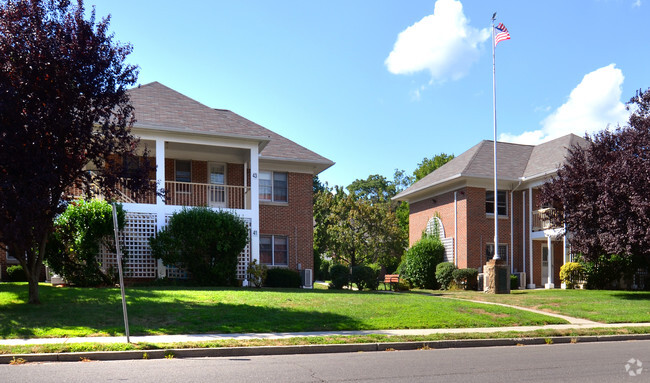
(531, 284)
(160, 202)
(255, 205)
(549, 283)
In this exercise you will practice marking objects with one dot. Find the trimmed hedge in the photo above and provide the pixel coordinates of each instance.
(16, 274)
(366, 277)
(445, 274)
(466, 278)
(340, 275)
(281, 277)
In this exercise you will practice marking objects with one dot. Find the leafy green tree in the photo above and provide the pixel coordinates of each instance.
(356, 231)
(428, 165)
(205, 242)
(75, 244)
(63, 106)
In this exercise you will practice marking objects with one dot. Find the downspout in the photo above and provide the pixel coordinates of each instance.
(530, 237)
(455, 229)
(523, 229)
(512, 239)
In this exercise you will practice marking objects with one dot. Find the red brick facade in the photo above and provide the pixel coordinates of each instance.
(293, 219)
(474, 228)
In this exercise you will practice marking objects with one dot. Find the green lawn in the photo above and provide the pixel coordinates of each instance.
(68, 312)
(598, 305)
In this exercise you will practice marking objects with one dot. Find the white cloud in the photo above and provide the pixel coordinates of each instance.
(593, 105)
(443, 44)
(637, 3)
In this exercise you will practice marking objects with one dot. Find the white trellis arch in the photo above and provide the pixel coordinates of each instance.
(435, 227)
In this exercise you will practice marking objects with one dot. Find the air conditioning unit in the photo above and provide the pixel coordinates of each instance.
(307, 278)
(522, 279)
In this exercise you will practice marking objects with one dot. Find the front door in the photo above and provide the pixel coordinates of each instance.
(544, 264)
(217, 189)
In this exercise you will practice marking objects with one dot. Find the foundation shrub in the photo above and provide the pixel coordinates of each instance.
(281, 277)
(420, 262)
(467, 279)
(445, 274)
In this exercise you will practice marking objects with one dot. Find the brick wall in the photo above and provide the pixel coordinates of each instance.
(293, 219)
(422, 211)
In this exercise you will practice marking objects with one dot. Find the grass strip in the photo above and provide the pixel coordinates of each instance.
(89, 347)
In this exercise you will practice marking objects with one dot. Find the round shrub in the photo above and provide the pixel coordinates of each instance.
(205, 242)
(74, 245)
(16, 274)
(365, 277)
(572, 273)
(514, 282)
(281, 277)
(340, 275)
(421, 260)
(445, 274)
(466, 278)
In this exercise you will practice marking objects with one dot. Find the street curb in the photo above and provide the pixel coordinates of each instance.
(309, 349)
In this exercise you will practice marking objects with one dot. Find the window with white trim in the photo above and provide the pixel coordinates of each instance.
(274, 250)
(183, 171)
(274, 186)
(501, 202)
(489, 251)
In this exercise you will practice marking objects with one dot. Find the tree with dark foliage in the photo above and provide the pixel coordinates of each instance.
(63, 108)
(602, 193)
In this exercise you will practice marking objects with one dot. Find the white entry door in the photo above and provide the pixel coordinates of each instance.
(544, 264)
(217, 189)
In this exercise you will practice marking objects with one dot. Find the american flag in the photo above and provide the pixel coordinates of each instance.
(502, 34)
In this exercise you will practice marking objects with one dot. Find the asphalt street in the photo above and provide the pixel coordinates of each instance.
(586, 362)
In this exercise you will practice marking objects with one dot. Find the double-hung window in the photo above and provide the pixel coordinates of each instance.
(183, 171)
(489, 251)
(274, 250)
(501, 202)
(274, 186)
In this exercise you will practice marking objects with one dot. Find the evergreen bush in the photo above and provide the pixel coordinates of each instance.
(340, 275)
(445, 274)
(16, 274)
(419, 264)
(205, 242)
(365, 277)
(466, 278)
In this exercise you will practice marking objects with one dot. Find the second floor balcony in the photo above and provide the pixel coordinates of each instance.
(543, 219)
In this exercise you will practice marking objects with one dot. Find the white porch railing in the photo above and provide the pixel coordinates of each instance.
(197, 194)
(542, 219)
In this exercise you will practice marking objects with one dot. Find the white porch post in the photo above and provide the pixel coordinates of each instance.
(160, 202)
(549, 283)
(531, 284)
(255, 205)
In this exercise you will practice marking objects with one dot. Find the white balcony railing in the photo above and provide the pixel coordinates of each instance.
(184, 194)
(542, 219)
(197, 194)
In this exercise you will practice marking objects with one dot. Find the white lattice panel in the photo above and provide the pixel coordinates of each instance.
(245, 256)
(139, 228)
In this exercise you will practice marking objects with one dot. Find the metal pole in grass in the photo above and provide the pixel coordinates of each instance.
(119, 267)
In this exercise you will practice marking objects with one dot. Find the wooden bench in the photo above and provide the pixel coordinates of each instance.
(392, 280)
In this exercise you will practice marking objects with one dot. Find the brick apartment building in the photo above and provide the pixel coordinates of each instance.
(216, 158)
(459, 196)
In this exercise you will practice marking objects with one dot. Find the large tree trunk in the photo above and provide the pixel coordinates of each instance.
(34, 297)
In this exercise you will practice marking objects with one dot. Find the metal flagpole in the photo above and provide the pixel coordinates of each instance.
(494, 105)
(119, 268)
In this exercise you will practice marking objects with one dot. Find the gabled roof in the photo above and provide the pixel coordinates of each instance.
(162, 108)
(515, 162)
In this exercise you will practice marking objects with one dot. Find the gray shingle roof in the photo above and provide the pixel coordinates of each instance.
(160, 107)
(514, 162)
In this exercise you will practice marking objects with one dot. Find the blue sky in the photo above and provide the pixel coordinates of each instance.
(319, 73)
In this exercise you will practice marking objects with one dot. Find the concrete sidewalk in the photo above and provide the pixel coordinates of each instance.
(286, 335)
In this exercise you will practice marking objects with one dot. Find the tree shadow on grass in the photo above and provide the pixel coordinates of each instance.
(633, 295)
(66, 312)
